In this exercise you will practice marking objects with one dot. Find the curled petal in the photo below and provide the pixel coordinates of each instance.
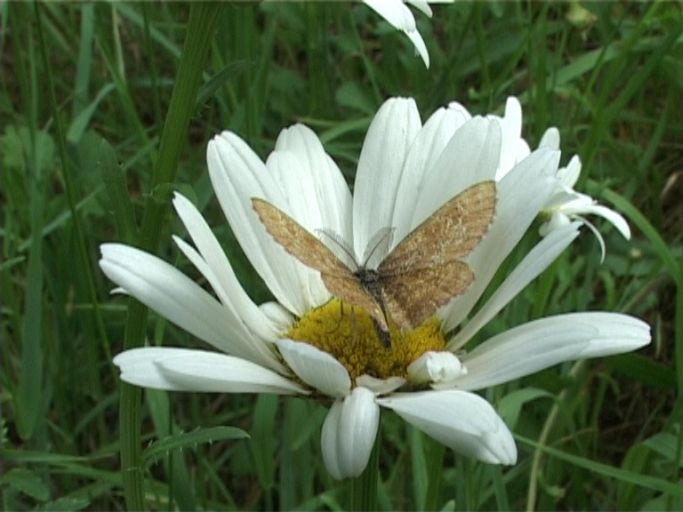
(349, 433)
(435, 367)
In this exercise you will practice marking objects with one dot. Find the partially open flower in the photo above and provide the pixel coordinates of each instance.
(566, 204)
(310, 343)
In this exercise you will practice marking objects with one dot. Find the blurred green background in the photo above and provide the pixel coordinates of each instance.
(608, 75)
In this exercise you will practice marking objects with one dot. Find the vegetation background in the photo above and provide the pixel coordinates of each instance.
(603, 434)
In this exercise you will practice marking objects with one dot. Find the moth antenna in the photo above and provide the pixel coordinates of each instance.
(344, 251)
(378, 247)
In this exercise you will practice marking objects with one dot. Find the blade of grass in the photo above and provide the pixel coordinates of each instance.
(173, 138)
(29, 388)
(647, 481)
(70, 193)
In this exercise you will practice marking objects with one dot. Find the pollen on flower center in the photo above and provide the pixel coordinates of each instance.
(347, 333)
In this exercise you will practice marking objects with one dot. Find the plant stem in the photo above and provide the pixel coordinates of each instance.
(364, 487)
(173, 138)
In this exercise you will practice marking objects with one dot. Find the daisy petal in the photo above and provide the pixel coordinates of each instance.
(616, 219)
(238, 175)
(331, 195)
(328, 441)
(400, 17)
(538, 259)
(423, 154)
(460, 420)
(542, 343)
(380, 386)
(175, 296)
(433, 367)
(316, 368)
(386, 144)
(176, 369)
(521, 194)
(470, 156)
(226, 285)
(423, 6)
(349, 433)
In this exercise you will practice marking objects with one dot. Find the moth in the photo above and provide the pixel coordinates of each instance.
(422, 273)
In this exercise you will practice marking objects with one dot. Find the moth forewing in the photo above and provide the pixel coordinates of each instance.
(339, 279)
(296, 240)
(451, 232)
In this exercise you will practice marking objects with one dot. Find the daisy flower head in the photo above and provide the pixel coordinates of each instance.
(322, 336)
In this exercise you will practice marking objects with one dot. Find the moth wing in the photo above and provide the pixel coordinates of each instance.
(448, 234)
(297, 241)
(413, 296)
(350, 290)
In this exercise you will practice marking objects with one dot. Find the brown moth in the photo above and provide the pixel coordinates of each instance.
(417, 277)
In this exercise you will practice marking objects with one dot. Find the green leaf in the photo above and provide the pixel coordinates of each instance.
(190, 439)
(510, 406)
(27, 482)
(97, 154)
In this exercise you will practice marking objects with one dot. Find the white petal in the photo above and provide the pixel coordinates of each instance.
(316, 368)
(238, 175)
(349, 433)
(550, 139)
(422, 155)
(329, 443)
(332, 196)
(520, 196)
(386, 145)
(419, 44)
(570, 175)
(380, 386)
(393, 11)
(299, 190)
(177, 369)
(460, 420)
(432, 367)
(173, 295)
(422, 6)
(470, 156)
(535, 262)
(511, 125)
(557, 221)
(612, 216)
(536, 345)
(225, 283)
(279, 316)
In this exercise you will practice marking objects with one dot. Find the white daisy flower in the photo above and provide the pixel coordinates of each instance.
(309, 343)
(399, 16)
(566, 204)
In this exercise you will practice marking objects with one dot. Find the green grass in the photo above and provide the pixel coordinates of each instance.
(92, 142)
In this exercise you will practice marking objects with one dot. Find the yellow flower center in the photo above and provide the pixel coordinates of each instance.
(348, 333)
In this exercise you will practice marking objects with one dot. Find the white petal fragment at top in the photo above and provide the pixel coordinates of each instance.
(399, 16)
